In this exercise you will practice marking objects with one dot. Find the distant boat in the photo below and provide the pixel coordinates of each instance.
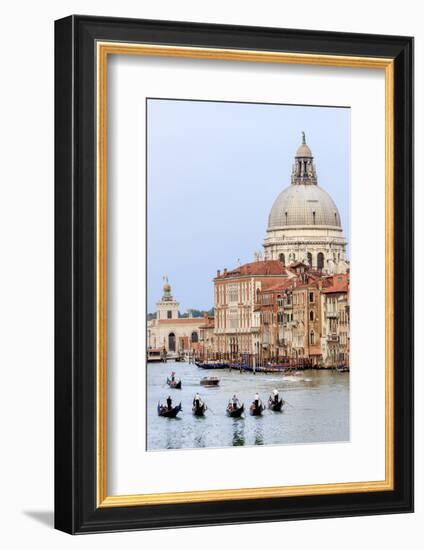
(235, 412)
(169, 413)
(265, 368)
(199, 410)
(174, 384)
(211, 365)
(257, 410)
(342, 368)
(209, 381)
(276, 407)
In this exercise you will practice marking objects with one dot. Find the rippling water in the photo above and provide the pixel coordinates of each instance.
(316, 409)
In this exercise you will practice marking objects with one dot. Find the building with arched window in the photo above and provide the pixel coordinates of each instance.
(304, 224)
(171, 333)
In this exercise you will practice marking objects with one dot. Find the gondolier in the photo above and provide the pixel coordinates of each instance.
(234, 408)
(199, 406)
(256, 401)
(173, 382)
(197, 400)
(256, 407)
(275, 402)
(169, 402)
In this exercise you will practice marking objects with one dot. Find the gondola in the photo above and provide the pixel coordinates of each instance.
(169, 413)
(257, 411)
(211, 365)
(209, 381)
(276, 407)
(176, 385)
(199, 410)
(235, 413)
(342, 368)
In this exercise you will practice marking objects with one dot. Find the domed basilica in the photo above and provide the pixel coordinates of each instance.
(304, 223)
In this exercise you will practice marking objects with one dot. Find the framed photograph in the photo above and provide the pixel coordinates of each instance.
(234, 274)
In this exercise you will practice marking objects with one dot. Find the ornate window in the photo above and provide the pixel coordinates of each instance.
(320, 260)
(194, 337)
(282, 259)
(169, 314)
(311, 315)
(312, 337)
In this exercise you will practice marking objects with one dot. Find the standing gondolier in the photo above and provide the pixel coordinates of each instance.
(197, 401)
(256, 400)
(169, 402)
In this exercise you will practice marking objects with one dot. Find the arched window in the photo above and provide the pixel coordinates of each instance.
(312, 338)
(311, 315)
(320, 260)
(282, 259)
(194, 337)
(310, 259)
(171, 341)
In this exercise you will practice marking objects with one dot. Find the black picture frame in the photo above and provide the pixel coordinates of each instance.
(76, 510)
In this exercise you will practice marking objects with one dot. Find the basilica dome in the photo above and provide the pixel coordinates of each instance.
(303, 205)
(304, 223)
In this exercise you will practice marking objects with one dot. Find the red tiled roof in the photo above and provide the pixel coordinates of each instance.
(337, 283)
(263, 267)
(277, 286)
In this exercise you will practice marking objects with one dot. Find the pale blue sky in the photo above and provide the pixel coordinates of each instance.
(214, 171)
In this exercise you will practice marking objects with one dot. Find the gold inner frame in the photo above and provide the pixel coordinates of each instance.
(104, 49)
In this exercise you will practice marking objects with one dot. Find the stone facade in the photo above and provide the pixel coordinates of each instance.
(335, 309)
(170, 333)
(237, 321)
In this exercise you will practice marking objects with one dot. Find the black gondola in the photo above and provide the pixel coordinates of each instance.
(275, 406)
(235, 412)
(199, 410)
(256, 410)
(174, 384)
(169, 413)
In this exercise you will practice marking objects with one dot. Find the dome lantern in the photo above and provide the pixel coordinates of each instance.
(303, 172)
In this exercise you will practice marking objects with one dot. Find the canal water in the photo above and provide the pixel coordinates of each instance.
(316, 409)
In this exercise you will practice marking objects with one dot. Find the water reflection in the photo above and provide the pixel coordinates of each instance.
(238, 432)
(258, 431)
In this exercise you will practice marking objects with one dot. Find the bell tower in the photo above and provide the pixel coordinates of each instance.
(167, 308)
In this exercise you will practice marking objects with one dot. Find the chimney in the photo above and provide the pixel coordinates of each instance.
(225, 270)
(218, 273)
